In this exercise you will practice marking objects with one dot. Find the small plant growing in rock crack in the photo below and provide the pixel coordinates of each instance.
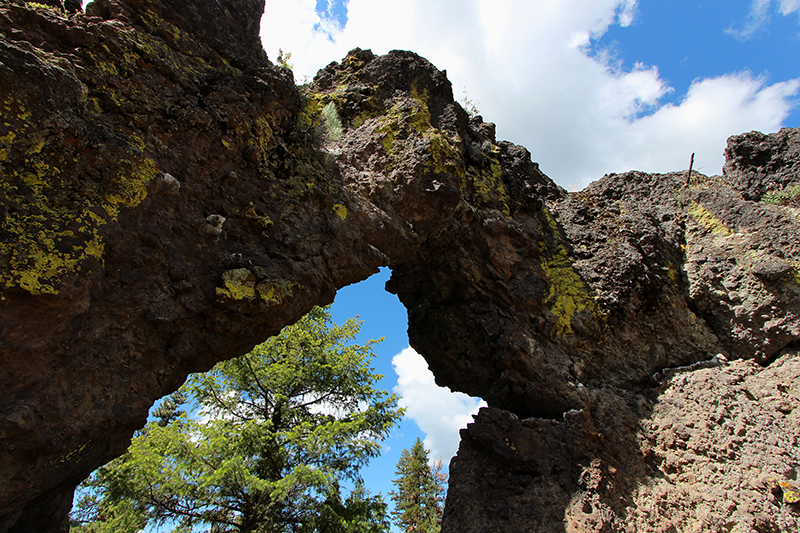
(789, 196)
(283, 59)
(331, 124)
(38, 5)
(469, 105)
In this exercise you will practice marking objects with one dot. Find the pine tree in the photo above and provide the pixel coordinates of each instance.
(420, 492)
(278, 430)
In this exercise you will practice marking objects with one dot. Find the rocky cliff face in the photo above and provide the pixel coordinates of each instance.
(170, 198)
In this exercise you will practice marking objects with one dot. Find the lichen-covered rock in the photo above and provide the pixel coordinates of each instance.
(125, 199)
(169, 198)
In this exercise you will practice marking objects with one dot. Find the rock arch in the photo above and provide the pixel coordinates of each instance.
(170, 199)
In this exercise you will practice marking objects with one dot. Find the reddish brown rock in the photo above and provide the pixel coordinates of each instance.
(169, 199)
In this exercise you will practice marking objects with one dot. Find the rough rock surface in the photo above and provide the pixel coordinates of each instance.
(169, 198)
(757, 163)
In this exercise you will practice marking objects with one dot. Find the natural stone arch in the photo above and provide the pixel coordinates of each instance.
(167, 203)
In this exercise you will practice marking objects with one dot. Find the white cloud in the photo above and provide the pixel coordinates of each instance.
(528, 65)
(759, 17)
(526, 62)
(438, 412)
(789, 6)
(627, 12)
(711, 111)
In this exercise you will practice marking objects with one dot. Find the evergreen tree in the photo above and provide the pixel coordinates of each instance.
(170, 408)
(278, 430)
(419, 498)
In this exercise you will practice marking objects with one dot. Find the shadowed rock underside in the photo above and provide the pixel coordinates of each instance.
(169, 198)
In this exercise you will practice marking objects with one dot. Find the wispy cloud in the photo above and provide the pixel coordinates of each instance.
(437, 411)
(757, 19)
(627, 12)
(760, 15)
(789, 6)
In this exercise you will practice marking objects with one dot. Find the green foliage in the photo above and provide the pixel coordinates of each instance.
(469, 105)
(39, 5)
(123, 517)
(360, 513)
(789, 196)
(318, 118)
(279, 429)
(419, 498)
(283, 59)
(170, 408)
(331, 122)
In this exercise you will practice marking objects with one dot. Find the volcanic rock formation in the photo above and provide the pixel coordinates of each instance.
(169, 198)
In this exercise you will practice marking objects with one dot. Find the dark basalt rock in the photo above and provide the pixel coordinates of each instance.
(170, 199)
(757, 163)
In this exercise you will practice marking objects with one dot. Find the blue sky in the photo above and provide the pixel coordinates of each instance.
(433, 414)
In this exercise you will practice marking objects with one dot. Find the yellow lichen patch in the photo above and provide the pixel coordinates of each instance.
(550, 220)
(130, 186)
(36, 148)
(38, 259)
(47, 265)
(174, 33)
(705, 218)
(406, 117)
(568, 293)
(137, 142)
(795, 273)
(95, 105)
(789, 491)
(421, 119)
(263, 136)
(239, 284)
(276, 291)
(489, 183)
(7, 139)
(371, 108)
(49, 240)
(70, 456)
(5, 145)
(672, 274)
(262, 220)
(389, 133)
(445, 154)
(340, 210)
